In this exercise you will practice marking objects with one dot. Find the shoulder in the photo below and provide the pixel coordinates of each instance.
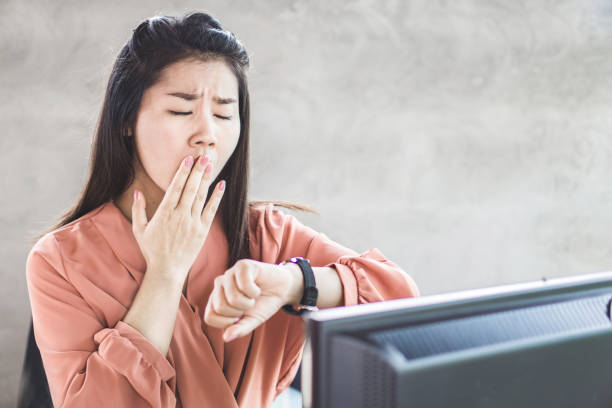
(49, 249)
(266, 216)
(270, 229)
(270, 219)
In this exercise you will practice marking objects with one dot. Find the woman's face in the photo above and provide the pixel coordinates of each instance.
(191, 110)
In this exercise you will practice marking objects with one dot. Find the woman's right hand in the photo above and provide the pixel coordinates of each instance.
(173, 238)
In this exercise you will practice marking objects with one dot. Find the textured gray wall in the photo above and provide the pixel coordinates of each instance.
(467, 140)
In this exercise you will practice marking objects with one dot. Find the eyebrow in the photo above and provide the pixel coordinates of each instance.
(191, 97)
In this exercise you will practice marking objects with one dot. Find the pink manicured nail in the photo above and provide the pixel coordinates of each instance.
(222, 185)
(188, 161)
(208, 169)
(135, 194)
(203, 160)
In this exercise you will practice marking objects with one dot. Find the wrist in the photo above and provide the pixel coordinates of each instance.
(165, 276)
(296, 284)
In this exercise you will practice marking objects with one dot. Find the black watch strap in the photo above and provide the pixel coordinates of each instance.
(309, 298)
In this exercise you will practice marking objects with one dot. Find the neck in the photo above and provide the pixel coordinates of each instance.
(152, 193)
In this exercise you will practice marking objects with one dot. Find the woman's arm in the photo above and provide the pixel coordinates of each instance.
(153, 311)
(252, 291)
(362, 278)
(329, 286)
(88, 363)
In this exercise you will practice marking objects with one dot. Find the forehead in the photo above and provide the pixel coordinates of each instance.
(192, 75)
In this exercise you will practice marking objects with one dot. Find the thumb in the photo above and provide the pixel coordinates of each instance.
(139, 216)
(244, 326)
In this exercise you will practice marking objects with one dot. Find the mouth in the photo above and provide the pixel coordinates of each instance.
(212, 160)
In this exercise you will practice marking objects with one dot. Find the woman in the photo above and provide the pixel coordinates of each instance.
(163, 286)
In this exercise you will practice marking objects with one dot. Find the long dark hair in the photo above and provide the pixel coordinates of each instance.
(156, 43)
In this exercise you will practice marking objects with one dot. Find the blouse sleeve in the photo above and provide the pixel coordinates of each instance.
(366, 277)
(86, 363)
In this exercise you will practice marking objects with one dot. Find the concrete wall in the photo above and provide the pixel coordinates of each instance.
(468, 140)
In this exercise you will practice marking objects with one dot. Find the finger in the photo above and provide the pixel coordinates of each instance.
(213, 204)
(222, 307)
(221, 322)
(200, 199)
(193, 182)
(212, 318)
(235, 298)
(173, 193)
(139, 215)
(242, 327)
(219, 301)
(246, 283)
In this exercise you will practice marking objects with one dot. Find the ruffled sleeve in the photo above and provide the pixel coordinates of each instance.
(366, 277)
(86, 363)
(370, 277)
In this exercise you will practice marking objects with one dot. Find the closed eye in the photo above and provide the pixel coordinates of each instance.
(189, 113)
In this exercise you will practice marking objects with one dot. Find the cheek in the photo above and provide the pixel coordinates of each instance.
(158, 151)
(229, 143)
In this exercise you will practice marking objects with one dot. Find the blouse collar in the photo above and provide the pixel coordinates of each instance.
(117, 231)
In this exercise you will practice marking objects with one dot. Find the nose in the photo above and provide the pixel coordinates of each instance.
(204, 133)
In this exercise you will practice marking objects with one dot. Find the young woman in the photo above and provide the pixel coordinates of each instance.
(164, 285)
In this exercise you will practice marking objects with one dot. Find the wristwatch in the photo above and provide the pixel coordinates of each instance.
(309, 298)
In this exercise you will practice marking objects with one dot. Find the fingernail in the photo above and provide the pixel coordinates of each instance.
(208, 169)
(232, 337)
(188, 161)
(222, 185)
(203, 160)
(135, 194)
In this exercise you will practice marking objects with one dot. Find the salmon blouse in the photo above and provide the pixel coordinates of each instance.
(83, 277)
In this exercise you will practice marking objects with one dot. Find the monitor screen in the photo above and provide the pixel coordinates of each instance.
(545, 343)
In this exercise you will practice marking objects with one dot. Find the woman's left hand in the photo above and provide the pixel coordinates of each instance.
(247, 295)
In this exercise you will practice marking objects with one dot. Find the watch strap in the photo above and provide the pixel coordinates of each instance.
(310, 295)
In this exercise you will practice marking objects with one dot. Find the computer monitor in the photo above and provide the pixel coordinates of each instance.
(537, 344)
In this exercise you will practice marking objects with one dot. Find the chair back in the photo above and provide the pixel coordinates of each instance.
(33, 388)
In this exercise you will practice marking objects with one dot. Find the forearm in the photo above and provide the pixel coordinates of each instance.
(329, 286)
(153, 311)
